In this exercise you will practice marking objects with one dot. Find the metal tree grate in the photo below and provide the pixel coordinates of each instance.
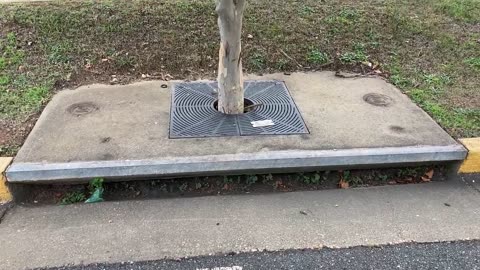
(193, 113)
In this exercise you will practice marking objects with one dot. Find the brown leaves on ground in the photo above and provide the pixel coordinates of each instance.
(343, 184)
(280, 186)
(428, 176)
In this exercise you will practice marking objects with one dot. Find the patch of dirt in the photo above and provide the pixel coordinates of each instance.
(13, 134)
(238, 184)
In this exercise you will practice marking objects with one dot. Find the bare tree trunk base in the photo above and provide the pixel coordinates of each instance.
(230, 75)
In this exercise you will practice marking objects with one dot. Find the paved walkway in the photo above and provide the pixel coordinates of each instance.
(154, 229)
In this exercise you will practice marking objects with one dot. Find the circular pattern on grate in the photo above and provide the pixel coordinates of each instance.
(193, 113)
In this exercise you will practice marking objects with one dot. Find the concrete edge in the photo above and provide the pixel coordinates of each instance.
(471, 164)
(5, 194)
(233, 163)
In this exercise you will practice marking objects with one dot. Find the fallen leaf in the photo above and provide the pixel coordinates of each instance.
(343, 184)
(278, 184)
(368, 64)
(428, 176)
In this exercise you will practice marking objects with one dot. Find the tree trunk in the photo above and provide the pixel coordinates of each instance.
(230, 75)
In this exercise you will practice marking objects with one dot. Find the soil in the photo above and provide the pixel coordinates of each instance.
(14, 133)
(228, 185)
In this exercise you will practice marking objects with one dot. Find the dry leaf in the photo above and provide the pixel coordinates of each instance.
(343, 184)
(278, 184)
(428, 176)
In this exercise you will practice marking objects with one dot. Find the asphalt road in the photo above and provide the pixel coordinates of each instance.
(447, 255)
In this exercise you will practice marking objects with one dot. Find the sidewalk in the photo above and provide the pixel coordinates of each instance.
(172, 228)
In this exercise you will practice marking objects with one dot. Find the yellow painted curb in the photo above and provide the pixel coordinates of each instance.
(472, 163)
(5, 194)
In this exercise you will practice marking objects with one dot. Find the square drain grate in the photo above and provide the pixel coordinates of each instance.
(193, 114)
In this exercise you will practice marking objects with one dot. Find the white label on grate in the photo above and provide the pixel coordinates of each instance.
(263, 123)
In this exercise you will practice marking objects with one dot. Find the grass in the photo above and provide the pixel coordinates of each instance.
(317, 57)
(462, 10)
(429, 49)
(73, 197)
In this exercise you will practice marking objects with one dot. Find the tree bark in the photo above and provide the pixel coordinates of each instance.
(230, 75)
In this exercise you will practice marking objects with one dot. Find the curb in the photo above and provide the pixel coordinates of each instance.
(5, 195)
(279, 161)
(471, 164)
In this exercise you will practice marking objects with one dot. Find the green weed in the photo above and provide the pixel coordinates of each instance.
(59, 53)
(405, 172)
(227, 180)
(73, 197)
(357, 56)
(317, 57)
(306, 10)
(353, 57)
(473, 62)
(125, 61)
(282, 64)
(183, 187)
(257, 60)
(96, 183)
(352, 180)
(400, 81)
(309, 178)
(8, 150)
(4, 80)
(346, 16)
(462, 10)
(251, 179)
(267, 178)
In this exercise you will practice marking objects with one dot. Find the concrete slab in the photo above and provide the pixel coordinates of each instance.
(171, 228)
(122, 131)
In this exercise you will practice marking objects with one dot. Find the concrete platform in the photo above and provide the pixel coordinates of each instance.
(122, 132)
